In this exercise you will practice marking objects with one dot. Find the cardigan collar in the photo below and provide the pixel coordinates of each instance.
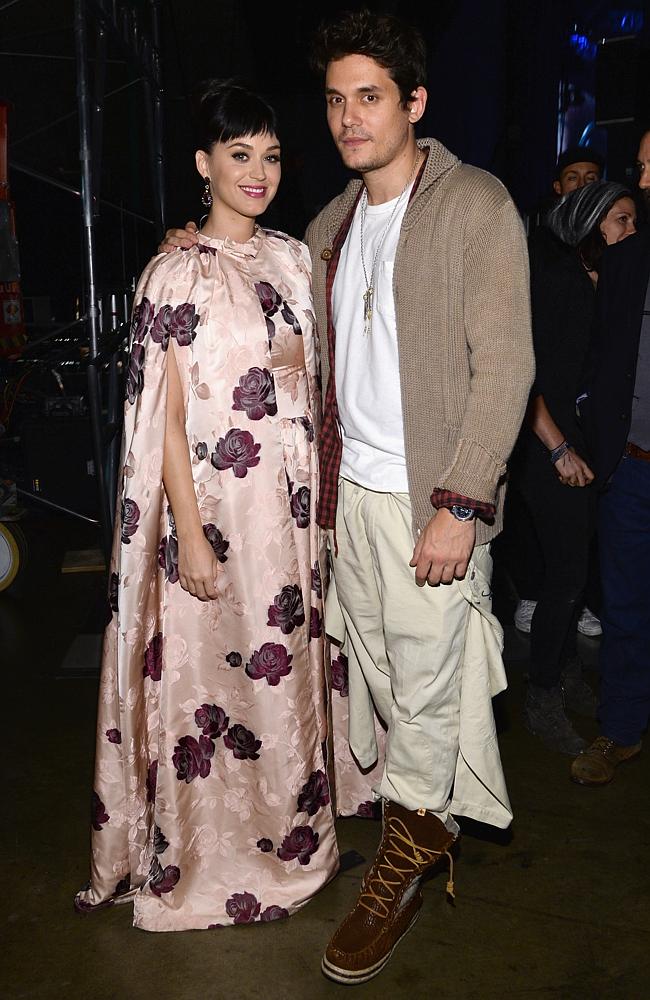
(439, 163)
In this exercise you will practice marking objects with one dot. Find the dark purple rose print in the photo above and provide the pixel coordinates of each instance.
(255, 394)
(160, 842)
(309, 427)
(265, 845)
(168, 557)
(270, 661)
(289, 317)
(183, 323)
(219, 544)
(153, 658)
(234, 659)
(160, 331)
(201, 450)
(141, 318)
(162, 879)
(113, 736)
(152, 781)
(316, 582)
(300, 506)
(192, 758)
(98, 812)
(212, 720)
(369, 810)
(236, 451)
(287, 611)
(113, 592)
(340, 675)
(301, 843)
(315, 793)
(315, 624)
(273, 913)
(270, 302)
(243, 907)
(135, 373)
(123, 885)
(242, 742)
(130, 518)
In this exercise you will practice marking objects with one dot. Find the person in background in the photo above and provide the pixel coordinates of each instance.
(576, 167)
(615, 410)
(211, 804)
(551, 469)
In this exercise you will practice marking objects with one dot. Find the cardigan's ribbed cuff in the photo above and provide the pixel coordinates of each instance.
(474, 473)
(445, 498)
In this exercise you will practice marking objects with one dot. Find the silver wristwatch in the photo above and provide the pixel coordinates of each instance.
(462, 513)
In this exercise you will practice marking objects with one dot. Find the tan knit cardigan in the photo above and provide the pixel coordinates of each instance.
(463, 329)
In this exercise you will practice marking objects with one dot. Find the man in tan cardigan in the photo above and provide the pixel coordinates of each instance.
(421, 296)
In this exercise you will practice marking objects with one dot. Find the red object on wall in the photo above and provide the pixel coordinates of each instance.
(12, 318)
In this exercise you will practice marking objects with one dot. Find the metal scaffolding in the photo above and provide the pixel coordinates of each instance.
(121, 23)
(98, 24)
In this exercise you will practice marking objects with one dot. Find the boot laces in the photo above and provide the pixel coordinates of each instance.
(401, 858)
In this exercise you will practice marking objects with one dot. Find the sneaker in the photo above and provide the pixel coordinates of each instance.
(544, 717)
(596, 765)
(413, 843)
(524, 615)
(589, 624)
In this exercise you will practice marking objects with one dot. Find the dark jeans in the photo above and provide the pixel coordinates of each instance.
(563, 520)
(624, 538)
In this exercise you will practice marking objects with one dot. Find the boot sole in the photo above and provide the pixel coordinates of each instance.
(348, 978)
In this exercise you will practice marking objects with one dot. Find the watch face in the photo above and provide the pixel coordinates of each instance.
(462, 513)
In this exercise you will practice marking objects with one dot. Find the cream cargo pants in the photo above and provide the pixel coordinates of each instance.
(408, 640)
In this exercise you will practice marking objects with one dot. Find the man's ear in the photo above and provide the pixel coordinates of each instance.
(556, 187)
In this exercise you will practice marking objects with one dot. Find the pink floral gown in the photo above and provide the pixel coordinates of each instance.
(211, 803)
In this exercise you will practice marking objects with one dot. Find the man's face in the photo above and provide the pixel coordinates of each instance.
(364, 112)
(643, 163)
(576, 175)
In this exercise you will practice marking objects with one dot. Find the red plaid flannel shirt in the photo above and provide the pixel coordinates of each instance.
(330, 441)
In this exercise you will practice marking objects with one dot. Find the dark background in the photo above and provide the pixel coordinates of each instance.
(494, 75)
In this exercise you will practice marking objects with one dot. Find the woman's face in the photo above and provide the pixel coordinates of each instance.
(244, 173)
(619, 222)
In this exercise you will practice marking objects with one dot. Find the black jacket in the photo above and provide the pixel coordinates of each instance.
(612, 357)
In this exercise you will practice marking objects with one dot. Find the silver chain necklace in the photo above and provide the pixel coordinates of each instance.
(368, 295)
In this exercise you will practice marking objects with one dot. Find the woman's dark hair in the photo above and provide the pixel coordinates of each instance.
(227, 109)
(396, 46)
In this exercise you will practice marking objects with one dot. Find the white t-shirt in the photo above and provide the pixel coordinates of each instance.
(367, 368)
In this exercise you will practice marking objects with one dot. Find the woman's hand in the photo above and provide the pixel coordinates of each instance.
(184, 238)
(573, 470)
(198, 567)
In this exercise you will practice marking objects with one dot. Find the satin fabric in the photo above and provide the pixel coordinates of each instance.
(211, 803)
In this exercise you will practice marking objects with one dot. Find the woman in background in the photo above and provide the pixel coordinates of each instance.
(211, 802)
(551, 467)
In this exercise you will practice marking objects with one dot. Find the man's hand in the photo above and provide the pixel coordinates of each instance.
(184, 238)
(443, 550)
(573, 470)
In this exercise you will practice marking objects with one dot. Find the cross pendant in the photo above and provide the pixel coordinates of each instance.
(367, 309)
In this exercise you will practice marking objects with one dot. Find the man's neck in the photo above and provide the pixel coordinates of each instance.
(388, 182)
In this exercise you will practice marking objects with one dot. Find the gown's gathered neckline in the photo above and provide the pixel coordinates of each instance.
(251, 248)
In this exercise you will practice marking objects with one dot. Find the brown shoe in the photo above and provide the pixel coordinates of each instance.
(390, 897)
(596, 764)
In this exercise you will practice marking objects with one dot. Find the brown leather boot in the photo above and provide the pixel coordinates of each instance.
(413, 842)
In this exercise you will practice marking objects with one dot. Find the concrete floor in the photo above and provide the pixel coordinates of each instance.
(557, 908)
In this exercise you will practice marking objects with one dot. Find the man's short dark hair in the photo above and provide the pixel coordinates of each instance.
(578, 154)
(398, 47)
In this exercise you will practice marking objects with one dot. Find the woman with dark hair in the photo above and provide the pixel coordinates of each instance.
(551, 468)
(211, 802)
